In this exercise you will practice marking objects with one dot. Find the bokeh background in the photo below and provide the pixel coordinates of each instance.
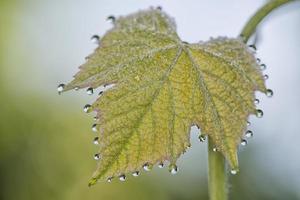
(46, 149)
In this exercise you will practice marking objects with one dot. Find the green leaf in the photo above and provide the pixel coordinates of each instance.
(163, 86)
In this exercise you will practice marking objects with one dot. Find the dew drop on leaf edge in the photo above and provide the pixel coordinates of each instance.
(259, 113)
(263, 67)
(90, 91)
(97, 156)
(269, 93)
(173, 169)
(161, 165)
(60, 88)
(109, 180)
(86, 108)
(95, 39)
(249, 134)
(202, 138)
(122, 177)
(96, 140)
(136, 173)
(94, 128)
(147, 167)
(243, 142)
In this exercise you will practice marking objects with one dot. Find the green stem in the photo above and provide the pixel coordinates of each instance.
(252, 24)
(217, 180)
(216, 174)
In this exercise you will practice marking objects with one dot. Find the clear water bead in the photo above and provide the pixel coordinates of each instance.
(161, 165)
(86, 108)
(95, 39)
(256, 101)
(100, 93)
(90, 91)
(249, 134)
(122, 177)
(76, 88)
(258, 60)
(252, 47)
(269, 93)
(173, 169)
(97, 156)
(147, 167)
(96, 140)
(215, 149)
(248, 123)
(94, 128)
(266, 76)
(233, 172)
(111, 18)
(202, 138)
(259, 113)
(109, 179)
(263, 66)
(136, 173)
(243, 142)
(60, 88)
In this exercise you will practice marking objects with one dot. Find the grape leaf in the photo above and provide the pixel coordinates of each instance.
(163, 86)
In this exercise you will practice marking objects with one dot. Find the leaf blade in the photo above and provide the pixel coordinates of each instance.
(163, 86)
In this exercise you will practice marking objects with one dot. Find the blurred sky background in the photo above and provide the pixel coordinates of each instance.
(46, 149)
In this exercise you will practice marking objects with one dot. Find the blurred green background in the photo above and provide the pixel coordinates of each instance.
(45, 139)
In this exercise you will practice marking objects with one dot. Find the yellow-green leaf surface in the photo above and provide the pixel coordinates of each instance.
(163, 86)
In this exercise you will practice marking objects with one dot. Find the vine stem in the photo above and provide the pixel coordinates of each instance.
(252, 24)
(217, 176)
(217, 179)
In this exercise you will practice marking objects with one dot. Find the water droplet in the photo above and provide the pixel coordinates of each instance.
(95, 39)
(249, 134)
(252, 47)
(259, 113)
(100, 93)
(122, 177)
(96, 118)
(161, 165)
(60, 88)
(86, 108)
(233, 172)
(94, 128)
(147, 167)
(96, 140)
(256, 101)
(215, 149)
(243, 142)
(258, 60)
(173, 169)
(97, 156)
(269, 93)
(111, 18)
(266, 76)
(263, 67)
(202, 138)
(76, 88)
(109, 179)
(90, 91)
(248, 123)
(136, 173)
